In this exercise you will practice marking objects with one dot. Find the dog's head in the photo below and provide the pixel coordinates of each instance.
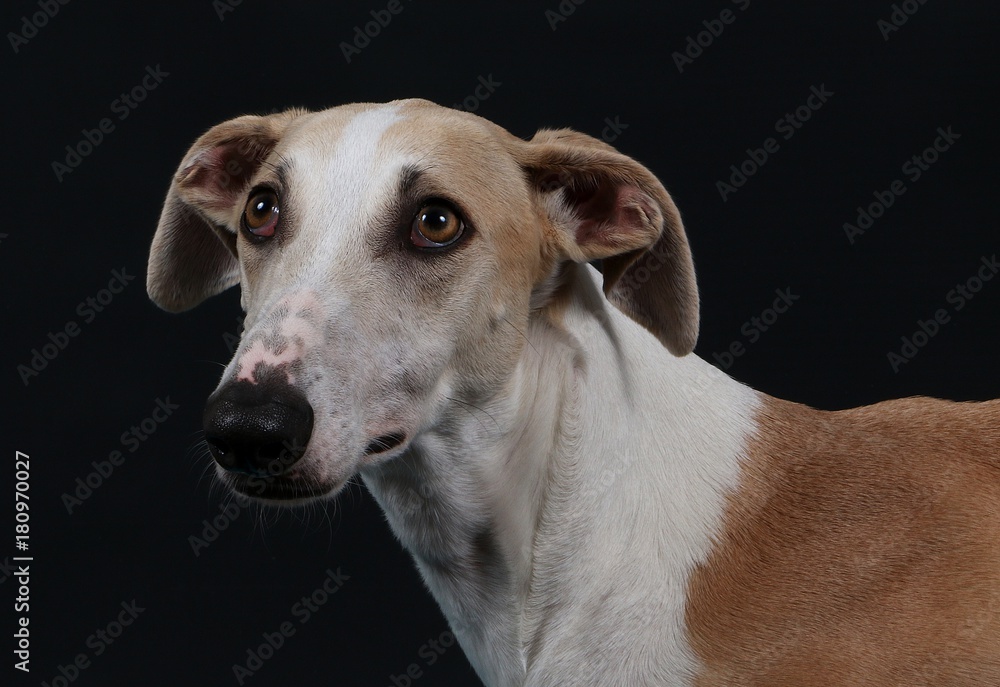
(390, 259)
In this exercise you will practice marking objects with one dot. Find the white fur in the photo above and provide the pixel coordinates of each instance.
(557, 521)
(602, 476)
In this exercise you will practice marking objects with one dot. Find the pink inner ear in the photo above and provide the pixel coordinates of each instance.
(615, 218)
(219, 174)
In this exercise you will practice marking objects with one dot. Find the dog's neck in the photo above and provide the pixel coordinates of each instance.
(466, 500)
(547, 472)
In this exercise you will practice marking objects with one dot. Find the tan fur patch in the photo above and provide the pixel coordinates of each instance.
(469, 171)
(862, 548)
(650, 276)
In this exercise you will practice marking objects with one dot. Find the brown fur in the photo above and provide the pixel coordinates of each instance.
(862, 548)
(647, 265)
(187, 263)
(634, 225)
(621, 212)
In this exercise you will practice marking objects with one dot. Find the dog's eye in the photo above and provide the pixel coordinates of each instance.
(436, 226)
(260, 216)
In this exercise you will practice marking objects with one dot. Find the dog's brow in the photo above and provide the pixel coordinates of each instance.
(409, 177)
(281, 171)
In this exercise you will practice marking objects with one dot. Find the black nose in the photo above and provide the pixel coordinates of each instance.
(257, 429)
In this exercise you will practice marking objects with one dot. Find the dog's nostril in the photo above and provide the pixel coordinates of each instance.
(384, 443)
(221, 452)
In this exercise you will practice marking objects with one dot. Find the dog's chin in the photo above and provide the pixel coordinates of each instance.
(281, 491)
(300, 485)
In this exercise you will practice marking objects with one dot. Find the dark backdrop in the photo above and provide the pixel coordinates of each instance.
(616, 69)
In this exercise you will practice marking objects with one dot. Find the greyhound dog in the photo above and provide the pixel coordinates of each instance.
(586, 507)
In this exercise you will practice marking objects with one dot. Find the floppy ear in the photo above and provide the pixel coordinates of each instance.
(606, 206)
(193, 255)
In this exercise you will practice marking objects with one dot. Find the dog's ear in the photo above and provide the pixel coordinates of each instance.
(606, 206)
(193, 255)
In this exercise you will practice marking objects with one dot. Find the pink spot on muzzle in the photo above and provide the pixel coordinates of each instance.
(285, 343)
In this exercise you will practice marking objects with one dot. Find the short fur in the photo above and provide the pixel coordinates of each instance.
(587, 508)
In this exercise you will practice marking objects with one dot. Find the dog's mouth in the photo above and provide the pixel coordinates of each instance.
(384, 443)
(285, 488)
(297, 484)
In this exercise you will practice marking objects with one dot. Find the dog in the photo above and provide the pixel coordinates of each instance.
(586, 507)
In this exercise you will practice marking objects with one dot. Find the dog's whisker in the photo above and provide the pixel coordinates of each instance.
(465, 406)
(213, 362)
(523, 335)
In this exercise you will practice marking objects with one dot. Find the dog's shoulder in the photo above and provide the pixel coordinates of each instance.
(848, 522)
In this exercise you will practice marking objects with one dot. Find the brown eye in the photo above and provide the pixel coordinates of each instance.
(260, 216)
(436, 226)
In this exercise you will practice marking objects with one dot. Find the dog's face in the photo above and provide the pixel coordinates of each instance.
(391, 258)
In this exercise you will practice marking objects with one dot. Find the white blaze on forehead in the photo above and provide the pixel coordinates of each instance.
(342, 177)
(337, 182)
(296, 331)
(356, 167)
(356, 154)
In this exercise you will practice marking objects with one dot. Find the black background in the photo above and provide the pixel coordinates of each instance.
(782, 229)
